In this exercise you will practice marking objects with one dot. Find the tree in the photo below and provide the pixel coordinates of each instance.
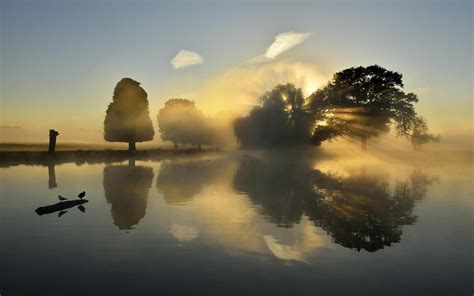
(280, 120)
(126, 189)
(362, 102)
(127, 118)
(358, 210)
(182, 123)
(419, 134)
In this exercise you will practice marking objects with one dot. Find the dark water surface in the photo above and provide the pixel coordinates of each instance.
(240, 224)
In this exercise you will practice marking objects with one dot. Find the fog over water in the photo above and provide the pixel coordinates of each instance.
(307, 216)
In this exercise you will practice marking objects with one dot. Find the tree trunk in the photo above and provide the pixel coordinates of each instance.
(132, 146)
(175, 146)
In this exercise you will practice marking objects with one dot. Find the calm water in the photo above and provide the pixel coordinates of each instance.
(240, 224)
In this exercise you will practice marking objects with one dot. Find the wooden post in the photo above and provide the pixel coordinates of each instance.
(52, 140)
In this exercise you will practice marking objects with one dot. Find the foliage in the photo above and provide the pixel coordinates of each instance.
(419, 134)
(126, 189)
(280, 120)
(363, 102)
(359, 211)
(127, 118)
(181, 122)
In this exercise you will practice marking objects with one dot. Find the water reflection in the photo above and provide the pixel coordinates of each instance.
(180, 181)
(62, 206)
(52, 175)
(359, 211)
(278, 185)
(184, 233)
(126, 189)
(297, 219)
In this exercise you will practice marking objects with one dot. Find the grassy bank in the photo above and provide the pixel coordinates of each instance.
(13, 158)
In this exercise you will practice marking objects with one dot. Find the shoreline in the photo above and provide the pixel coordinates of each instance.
(44, 158)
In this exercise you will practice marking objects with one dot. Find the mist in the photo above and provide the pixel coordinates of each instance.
(221, 99)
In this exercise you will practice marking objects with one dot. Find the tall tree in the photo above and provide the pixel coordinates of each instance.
(127, 118)
(362, 102)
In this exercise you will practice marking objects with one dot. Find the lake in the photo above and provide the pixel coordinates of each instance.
(243, 223)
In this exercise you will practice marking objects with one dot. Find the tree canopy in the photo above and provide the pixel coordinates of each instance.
(418, 133)
(359, 211)
(362, 103)
(280, 120)
(126, 189)
(359, 102)
(127, 118)
(181, 122)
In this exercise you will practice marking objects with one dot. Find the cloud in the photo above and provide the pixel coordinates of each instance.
(283, 42)
(186, 58)
(184, 233)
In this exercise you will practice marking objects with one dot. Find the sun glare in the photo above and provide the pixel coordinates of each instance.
(309, 88)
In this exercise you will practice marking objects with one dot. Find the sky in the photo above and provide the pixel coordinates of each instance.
(60, 60)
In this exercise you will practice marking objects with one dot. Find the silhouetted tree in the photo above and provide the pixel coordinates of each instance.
(418, 133)
(361, 211)
(126, 189)
(277, 185)
(358, 211)
(182, 123)
(362, 102)
(322, 133)
(127, 118)
(280, 120)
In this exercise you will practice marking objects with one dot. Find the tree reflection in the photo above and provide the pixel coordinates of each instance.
(126, 189)
(359, 211)
(279, 186)
(180, 181)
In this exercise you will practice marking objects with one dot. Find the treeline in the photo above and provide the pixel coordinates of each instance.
(179, 121)
(359, 102)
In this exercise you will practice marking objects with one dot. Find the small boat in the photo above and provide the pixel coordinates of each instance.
(60, 206)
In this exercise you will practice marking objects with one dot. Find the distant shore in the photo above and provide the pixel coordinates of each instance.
(70, 146)
(44, 158)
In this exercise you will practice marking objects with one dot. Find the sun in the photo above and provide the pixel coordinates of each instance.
(309, 88)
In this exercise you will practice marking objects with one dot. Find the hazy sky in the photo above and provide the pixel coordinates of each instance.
(60, 60)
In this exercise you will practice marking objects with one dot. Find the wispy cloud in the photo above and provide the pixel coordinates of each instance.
(283, 42)
(186, 58)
